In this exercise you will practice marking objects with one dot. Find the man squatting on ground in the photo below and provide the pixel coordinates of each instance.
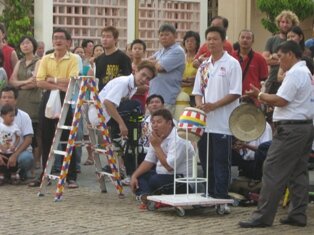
(166, 150)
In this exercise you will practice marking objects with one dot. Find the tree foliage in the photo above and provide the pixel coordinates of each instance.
(302, 8)
(16, 16)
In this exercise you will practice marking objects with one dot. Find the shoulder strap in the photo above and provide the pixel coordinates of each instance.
(250, 55)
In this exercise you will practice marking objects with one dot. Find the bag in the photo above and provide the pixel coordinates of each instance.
(53, 107)
(131, 113)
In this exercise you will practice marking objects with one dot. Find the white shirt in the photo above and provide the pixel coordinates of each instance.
(24, 123)
(147, 131)
(297, 88)
(174, 148)
(223, 77)
(8, 137)
(114, 91)
(266, 136)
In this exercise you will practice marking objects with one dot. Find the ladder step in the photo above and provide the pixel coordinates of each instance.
(77, 143)
(59, 152)
(64, 127)
(52, 177)
(105, 173)
(89, 101)
(101, 150)
(71, 102)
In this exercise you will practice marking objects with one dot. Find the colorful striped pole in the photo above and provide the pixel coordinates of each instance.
(86, 83)
(71, 140)
(106, 137)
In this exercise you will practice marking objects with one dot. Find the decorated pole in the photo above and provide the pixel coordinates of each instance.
(72, 139)
(106, 137)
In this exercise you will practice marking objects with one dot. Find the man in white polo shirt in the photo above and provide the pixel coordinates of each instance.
(166, 150)
(286, 163)
(217, 88)
(120, 88)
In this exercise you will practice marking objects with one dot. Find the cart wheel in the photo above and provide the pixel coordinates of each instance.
(180, 211)
(220, 210)
(235, 202)
(151, 206)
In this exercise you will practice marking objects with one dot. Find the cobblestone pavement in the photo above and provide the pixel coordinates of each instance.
(87, 211)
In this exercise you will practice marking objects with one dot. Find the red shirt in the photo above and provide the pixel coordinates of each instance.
(204, 49)
(7, 52)
(257, 71)
(140, 98)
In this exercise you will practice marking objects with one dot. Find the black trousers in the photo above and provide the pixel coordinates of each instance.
(48, 127)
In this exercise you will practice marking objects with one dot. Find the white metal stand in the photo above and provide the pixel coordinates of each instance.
(178, 201)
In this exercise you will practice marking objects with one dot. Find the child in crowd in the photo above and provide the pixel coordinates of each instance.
(9, 140)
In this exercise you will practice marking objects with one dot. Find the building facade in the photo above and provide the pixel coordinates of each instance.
(142, 18)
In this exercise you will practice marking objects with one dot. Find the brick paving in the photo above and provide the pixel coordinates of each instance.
(87, 211)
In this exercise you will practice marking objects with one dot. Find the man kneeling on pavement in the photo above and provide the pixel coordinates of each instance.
(165, 151)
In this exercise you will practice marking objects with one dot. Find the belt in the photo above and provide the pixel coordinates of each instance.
(292, 122)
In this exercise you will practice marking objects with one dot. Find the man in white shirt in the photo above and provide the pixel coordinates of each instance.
(119, 89)
(250, 156)
(217, 88)
(153, 103)
(287, 159)
(23, 155)
(166, 151)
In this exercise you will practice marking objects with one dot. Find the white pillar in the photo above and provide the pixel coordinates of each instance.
(131, 21)
(203, 18)
(43, 22)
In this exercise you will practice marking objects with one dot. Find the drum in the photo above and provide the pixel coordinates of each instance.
(192, 124)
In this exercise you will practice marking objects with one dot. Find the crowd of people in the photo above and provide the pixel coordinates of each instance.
(217, 76)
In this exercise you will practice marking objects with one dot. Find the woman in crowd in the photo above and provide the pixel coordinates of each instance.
(97, 51)
(191, 44)
(295, 34)
(29, 95)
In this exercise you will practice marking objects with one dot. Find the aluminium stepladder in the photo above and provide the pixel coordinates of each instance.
(85, 83)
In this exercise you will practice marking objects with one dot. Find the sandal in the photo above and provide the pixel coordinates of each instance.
(89, 162)
(72, 184)
(15, 179)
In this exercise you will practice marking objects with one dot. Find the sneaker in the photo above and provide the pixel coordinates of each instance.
(126, 181)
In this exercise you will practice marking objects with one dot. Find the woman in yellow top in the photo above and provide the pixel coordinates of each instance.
(191, 43)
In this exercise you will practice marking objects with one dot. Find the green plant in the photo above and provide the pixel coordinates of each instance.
(272, 8)
(16, 17)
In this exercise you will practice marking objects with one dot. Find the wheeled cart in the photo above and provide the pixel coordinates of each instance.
(195, 199)
(181, 201)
